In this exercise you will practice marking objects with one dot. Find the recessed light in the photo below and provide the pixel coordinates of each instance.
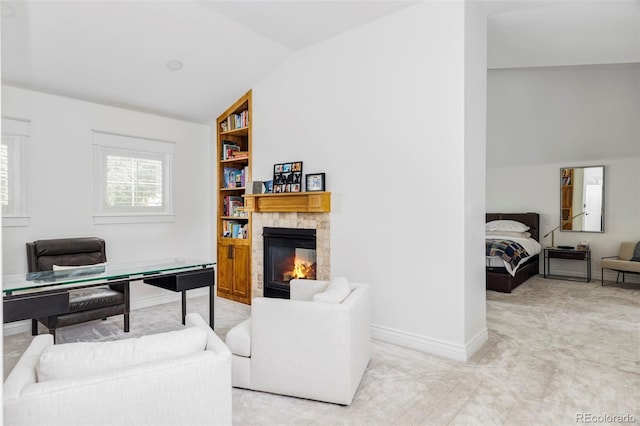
(174, 65)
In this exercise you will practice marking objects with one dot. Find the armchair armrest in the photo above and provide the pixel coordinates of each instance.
(306, 289)
(610, 257)
(24, 372)
(214, 343)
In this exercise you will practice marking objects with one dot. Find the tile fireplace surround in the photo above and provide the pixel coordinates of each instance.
(318, 221)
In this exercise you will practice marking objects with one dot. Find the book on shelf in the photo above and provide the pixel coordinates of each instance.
(229, 177)
(231, 229)
(240, 154)
(231, 204)
(234, 178)
(228, 149)
(227, 228)
(235, 121)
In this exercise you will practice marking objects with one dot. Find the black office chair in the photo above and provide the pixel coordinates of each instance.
(85, 304)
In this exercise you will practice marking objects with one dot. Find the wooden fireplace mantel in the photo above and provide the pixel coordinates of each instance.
(301, 202)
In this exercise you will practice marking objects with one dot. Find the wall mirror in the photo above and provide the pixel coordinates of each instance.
(582, 199)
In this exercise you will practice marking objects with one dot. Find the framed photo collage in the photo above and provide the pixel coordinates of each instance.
(287, 177)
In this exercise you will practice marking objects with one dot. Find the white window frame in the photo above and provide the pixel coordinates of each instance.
(105, 144)
(15, 214)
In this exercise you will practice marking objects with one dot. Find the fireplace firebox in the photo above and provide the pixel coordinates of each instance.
(288, 253)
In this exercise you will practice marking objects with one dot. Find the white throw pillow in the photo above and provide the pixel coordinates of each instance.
(83, 358)
(337, 290)
(509, 234)
(506, 225)
(66, 268)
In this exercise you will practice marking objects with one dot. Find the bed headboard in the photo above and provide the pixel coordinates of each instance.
(530, 219)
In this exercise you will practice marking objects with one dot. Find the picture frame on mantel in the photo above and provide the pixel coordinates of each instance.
(287, 177)
(268, 186)
(315, 182)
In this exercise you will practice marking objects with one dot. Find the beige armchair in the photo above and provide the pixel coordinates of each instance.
(621, 263)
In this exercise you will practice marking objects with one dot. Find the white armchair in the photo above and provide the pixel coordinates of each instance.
(304, 348)
(174, 378)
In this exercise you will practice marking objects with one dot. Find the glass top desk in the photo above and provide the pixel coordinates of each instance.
(36, 294)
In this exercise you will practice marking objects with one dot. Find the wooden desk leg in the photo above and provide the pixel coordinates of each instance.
(184, 305)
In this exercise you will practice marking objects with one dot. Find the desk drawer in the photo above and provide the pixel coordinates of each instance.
(184, 280)
(16, 308)
(576, 255)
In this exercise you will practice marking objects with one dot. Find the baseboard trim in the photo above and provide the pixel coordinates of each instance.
(476, 342)
(162, 297)
(429, 345)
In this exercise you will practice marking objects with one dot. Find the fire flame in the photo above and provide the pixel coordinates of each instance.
(300, 269)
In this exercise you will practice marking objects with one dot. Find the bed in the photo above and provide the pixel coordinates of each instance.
(499, 276)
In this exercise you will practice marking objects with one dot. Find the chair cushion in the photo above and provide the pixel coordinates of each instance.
(43, 254)
(621, 265)
(337, 290)
(45, 263)
(94, 297)
(238, 339)
(83, 358)
(66, 246)
(627, 250)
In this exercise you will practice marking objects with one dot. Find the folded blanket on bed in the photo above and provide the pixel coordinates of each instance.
(510, 251)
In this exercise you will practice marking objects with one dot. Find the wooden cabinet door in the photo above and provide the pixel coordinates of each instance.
(241, 267)
(234, 266)
(225, 269)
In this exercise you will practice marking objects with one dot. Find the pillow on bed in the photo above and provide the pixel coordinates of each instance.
(506, 225)
(509, 234)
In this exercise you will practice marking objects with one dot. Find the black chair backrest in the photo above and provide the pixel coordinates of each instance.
(43, 254)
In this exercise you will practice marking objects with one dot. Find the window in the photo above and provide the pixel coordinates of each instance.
(133, 179)
(12, 194)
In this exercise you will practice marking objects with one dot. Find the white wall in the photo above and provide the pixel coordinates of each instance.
(564, 114)
(59, 184)
(540, 120)
(381, 110)
(475, 112)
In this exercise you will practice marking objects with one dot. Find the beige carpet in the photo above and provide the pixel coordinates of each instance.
(556, 350)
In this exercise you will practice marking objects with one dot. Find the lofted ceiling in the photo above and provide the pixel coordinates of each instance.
(116, 52)
(556, 33)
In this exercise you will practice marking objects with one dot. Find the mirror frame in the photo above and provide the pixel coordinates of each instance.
(563, 195)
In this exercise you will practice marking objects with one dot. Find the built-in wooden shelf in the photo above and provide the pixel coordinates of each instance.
(301, 202)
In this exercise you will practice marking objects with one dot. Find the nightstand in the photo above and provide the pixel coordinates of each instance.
(570, 254)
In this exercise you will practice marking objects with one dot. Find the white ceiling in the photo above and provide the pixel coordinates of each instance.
(540, 33)
(115, 52)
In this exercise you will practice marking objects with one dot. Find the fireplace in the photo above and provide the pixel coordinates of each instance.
(288, 253)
